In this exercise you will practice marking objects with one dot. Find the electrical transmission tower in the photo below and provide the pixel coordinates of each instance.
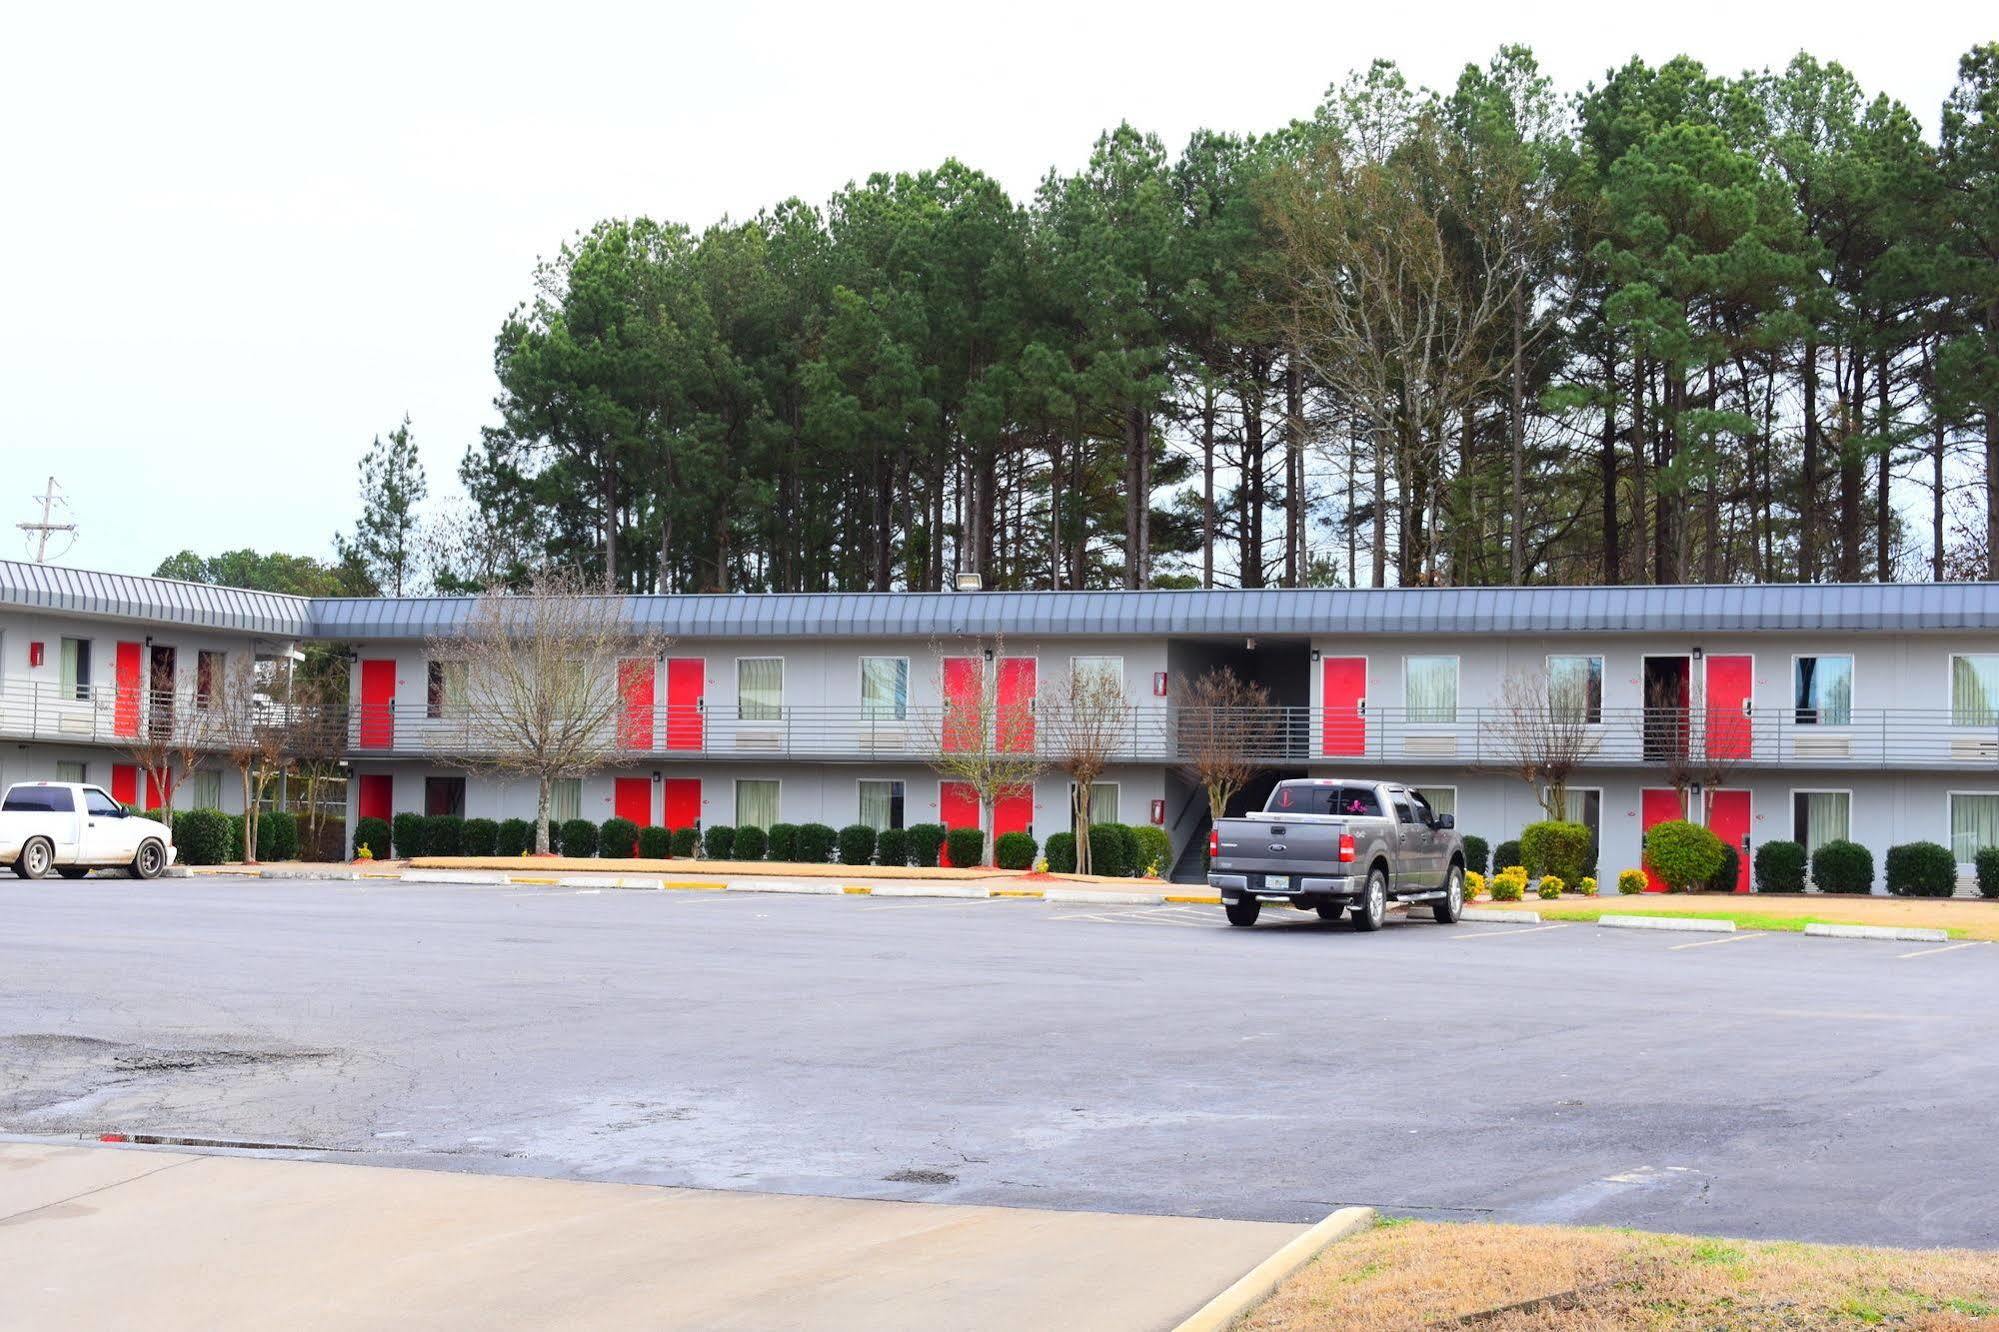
(54, 506)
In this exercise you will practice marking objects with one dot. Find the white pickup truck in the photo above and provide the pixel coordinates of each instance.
(73, 828)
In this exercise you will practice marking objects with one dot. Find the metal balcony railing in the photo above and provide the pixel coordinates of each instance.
(131, 717)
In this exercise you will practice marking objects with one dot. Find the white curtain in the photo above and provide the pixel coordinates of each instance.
(1443, 799)
(565, 799)
(206, 789)
(1575, 688)
(884, 688)
(1825, 691)
(1103, 803)
(1826, 815)
(1974, 825)
(1974, 691)
(1094, 668)
(878, 804)
(760, 688)
(1430, 688)
(756, 803)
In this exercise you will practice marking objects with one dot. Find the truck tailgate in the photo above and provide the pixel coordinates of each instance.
(1280, 846)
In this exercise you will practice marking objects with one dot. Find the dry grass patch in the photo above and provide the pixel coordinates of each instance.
(1411, 1274)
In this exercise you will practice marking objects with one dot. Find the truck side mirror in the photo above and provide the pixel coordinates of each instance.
(1447, 820)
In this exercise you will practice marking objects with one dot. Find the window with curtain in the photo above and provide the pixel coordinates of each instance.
(205, 789)
(1818, 817)
(881, 804)
(1584, 807)
(446, 695)
(67, 771)
(1974, 824)
(1430, 688)
(1098, 668)
(1440, 799)
(565, 799)
(756, 802)
(885, 689)
(760, 688)
(208, 681)
(76, 668)
(1824, 691)
(1974, 691)
(1575, 689)
(1103, 803)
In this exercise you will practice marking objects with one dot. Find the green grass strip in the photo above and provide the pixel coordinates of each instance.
(1744, 919)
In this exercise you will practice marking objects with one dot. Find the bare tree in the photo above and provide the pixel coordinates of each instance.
(978, 737)
(1544, 732)
(317, 738)
(1084, 724)
(541, 696)
(250, 740)
(1222, 727)
(173, 741)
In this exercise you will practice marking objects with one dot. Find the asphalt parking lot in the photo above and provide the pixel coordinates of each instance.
(1143, 1059)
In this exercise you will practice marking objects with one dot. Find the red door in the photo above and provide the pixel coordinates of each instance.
(1728, 818)
(1656, 806)
(1013, 724)
(125, 701)
(963, 682)
(682, 802)
(1013, 814)
(377, 798)
(1731, 685)
(631, 798)
(378, 704)
(686, 685)
(635, 695)
(159, 796)
(1343, 703)
(125, 783)
(957, 807)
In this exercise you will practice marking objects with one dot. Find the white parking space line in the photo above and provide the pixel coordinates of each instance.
(939, 905)
(1506, 934)
(1947, 948)
(1709, 943)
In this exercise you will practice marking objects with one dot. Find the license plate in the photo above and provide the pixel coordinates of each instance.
(1277, 881)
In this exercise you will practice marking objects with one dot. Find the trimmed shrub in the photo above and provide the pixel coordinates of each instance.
(277, 835)
(1015, 851)
(1780, 867)
(892, 846)
(1987, 864)
(752, 843)
(1630, 882)
(1474, 885)
(655, 843)
(1920, 869)
(1508, 887)
(371, 833)
(410, 840)
(1555, 847)
(1061, 853)
(857, 844)
(514, 837)
(783, 841)
(718, 842)
(443, 835)
(201, 836)
(1682, 854)
(967, 846)
(1841, 866)
(1587, 887)
(684, 843)
(618, 839)
(235, 851)
(1110, 850)
(480, 837)
(1729, 877)
(1549, 888)
(1478, 856)
(924, 841)
(1154, 848)
(578, 838)
(815, 843)
(1506, 853)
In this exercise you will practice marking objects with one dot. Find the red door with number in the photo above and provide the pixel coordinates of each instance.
(1728, 817)
(125, 701)
(635, 694)
(686, 685)
(682, 801)
(1343, 703)
(378, 704)
(1655, 806)
(1013, 724)
(1731, 687)
(963, 681)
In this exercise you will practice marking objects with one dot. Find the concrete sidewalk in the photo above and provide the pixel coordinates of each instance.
(120, 1237)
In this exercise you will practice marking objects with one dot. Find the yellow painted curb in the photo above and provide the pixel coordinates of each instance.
(692, 886)
(1204, 899)
(1015, 892)
(1257, 1284)
(858, 890)
(546, 883)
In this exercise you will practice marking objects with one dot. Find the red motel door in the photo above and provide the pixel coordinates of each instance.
(963, 679)
(158, 795)
(1728, 818)
(1657, 806)
(957, 805)
(1013, 814)
(1014, 723)
(686, 685)
(1343, 703)
(1731, 684)
(125, 783)
(378, 704)
(682, 802)
(125, 701)
(631, 798)
(635, 697)
(377, 798)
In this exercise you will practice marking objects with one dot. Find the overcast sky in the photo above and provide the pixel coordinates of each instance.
(241, 241)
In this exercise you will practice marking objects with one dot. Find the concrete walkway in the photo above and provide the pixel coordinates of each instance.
(120, 1237)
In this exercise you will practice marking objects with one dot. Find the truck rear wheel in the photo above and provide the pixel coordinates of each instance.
(1372, 909)
(1243, 911)
(35, 859)
(1453, 905)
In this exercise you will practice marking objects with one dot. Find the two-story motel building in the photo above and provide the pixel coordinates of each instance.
(1862, 711)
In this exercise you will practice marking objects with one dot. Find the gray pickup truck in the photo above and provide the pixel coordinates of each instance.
(1335, 845)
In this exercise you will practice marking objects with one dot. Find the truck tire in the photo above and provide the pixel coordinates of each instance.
(150, 861)
(1372, 909)
(72, 871)
(1453, 905)
(1333, 912)
(1243, 911)
(35, 859)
